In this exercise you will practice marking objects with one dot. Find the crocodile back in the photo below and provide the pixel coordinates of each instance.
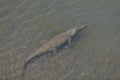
(57, 41)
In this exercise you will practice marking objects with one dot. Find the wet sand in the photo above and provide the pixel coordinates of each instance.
(26, 24)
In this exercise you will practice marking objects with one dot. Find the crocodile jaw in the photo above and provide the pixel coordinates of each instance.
(80, 28)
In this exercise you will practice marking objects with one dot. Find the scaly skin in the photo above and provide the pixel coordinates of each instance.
(53, 44)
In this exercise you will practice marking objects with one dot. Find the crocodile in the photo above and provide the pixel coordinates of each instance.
(53, 44)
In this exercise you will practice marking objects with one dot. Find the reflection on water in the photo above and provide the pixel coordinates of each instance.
(26, 24)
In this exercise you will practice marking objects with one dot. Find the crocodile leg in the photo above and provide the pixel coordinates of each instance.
(69, 43)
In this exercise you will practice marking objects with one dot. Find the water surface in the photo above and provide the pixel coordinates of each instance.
(26, 24)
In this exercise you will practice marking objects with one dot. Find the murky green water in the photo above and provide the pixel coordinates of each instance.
(26, 24)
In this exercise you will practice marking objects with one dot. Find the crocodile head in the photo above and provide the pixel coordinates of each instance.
(75, 30)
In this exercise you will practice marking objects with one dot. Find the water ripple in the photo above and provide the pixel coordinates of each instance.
(22, 3)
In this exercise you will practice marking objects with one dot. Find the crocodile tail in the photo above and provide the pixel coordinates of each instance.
(30, 60)
(24, 69)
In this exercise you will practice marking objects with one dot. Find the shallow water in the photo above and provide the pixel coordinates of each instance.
(26, 24)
